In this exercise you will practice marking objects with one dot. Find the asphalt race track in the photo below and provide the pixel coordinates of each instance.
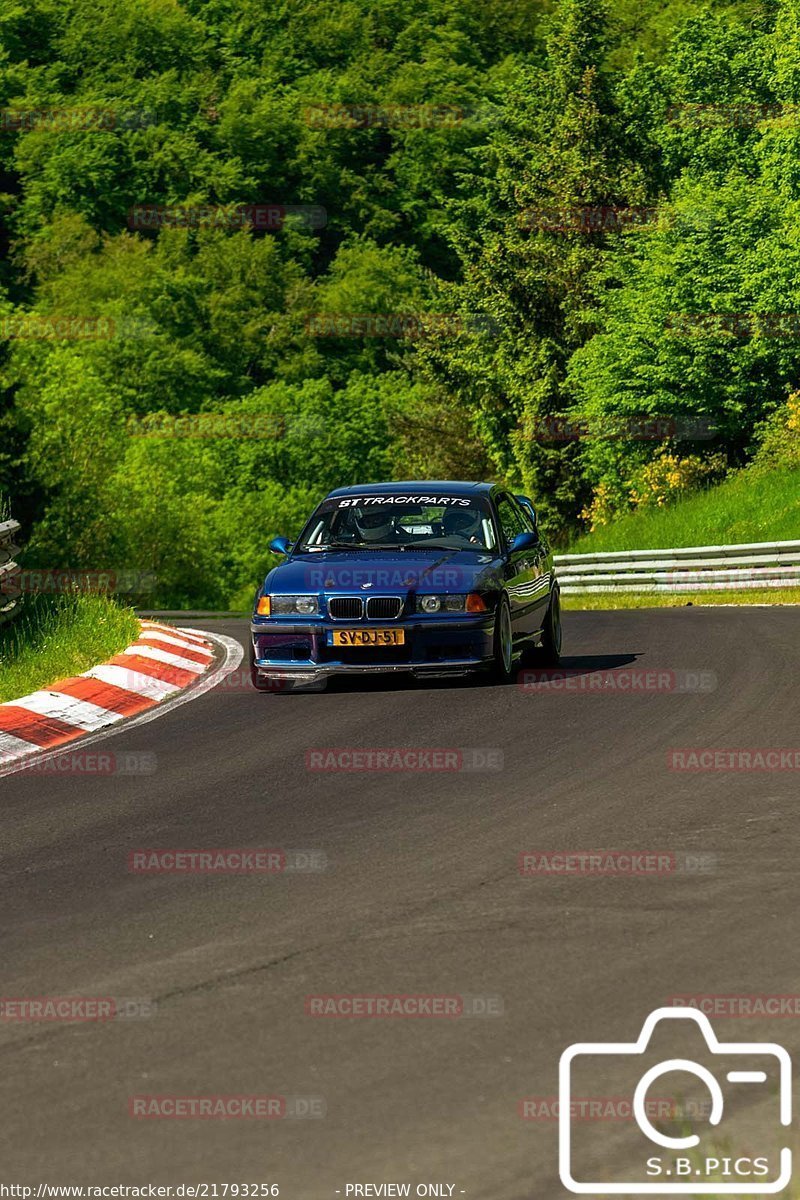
(422, 895)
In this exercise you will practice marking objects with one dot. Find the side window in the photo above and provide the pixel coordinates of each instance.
(528, 522)
(510, 519)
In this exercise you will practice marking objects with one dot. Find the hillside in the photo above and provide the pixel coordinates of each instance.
(745, 508)
(253, 253)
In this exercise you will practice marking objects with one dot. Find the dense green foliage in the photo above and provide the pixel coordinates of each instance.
(449, 122)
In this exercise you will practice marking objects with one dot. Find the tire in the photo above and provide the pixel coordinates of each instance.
(256, 682)
(276, 684)
(550, 653)
(503, 650)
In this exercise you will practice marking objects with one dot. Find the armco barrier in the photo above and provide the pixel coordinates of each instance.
(8, 568)
(688, 569)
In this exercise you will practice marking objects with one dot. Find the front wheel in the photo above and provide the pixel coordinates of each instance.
(551, 634)
(503, 642)
(257, 683)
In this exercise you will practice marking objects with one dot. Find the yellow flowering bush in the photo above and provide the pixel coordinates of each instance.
(603, 509)
(659, 482)
(668, 476)
(793, 407)
(780, 442)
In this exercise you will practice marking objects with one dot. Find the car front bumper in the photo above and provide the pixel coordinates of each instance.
(301, 652)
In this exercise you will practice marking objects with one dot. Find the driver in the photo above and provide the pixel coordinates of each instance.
(374, 525)
(462, 523)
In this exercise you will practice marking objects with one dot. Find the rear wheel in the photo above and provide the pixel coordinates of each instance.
(503, 642)
(550, 654)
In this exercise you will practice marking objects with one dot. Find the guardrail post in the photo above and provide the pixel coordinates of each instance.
(9, 570)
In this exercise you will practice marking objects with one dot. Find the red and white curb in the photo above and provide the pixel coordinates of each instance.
(163, 668)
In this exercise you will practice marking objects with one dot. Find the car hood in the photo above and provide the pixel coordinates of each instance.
(396, 571)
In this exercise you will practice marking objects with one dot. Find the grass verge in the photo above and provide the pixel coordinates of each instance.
(748, 507)
(607, 600)
(52, 638)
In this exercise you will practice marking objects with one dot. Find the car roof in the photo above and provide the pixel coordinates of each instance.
(433, 486)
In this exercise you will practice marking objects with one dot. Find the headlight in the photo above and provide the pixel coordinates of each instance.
(290, 606)
(433, 604)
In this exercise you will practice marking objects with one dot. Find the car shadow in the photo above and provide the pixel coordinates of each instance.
(571, 664)
(584, 664)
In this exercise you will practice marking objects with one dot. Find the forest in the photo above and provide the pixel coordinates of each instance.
(252, 252)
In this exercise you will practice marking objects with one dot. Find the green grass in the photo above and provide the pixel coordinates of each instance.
(748, 507)
(52, 638)
(607, 600)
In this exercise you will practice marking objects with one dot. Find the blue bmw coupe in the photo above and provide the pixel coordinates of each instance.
(433, 579)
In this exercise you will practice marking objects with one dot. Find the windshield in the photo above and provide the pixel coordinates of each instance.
(400, 522)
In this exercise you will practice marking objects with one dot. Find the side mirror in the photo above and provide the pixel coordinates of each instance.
(280, 545)
(526, 503)
(524, 541)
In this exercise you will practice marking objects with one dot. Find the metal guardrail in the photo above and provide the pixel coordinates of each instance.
(8, 569)
(688, 569)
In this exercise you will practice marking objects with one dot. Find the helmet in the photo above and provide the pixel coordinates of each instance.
(461, 522)
(373, 525)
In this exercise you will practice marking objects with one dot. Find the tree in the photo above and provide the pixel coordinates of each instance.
(524, 233)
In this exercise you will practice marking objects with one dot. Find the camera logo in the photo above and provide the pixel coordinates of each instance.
(683, 1159)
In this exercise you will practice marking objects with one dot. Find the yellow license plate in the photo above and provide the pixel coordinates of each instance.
(368, 637)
